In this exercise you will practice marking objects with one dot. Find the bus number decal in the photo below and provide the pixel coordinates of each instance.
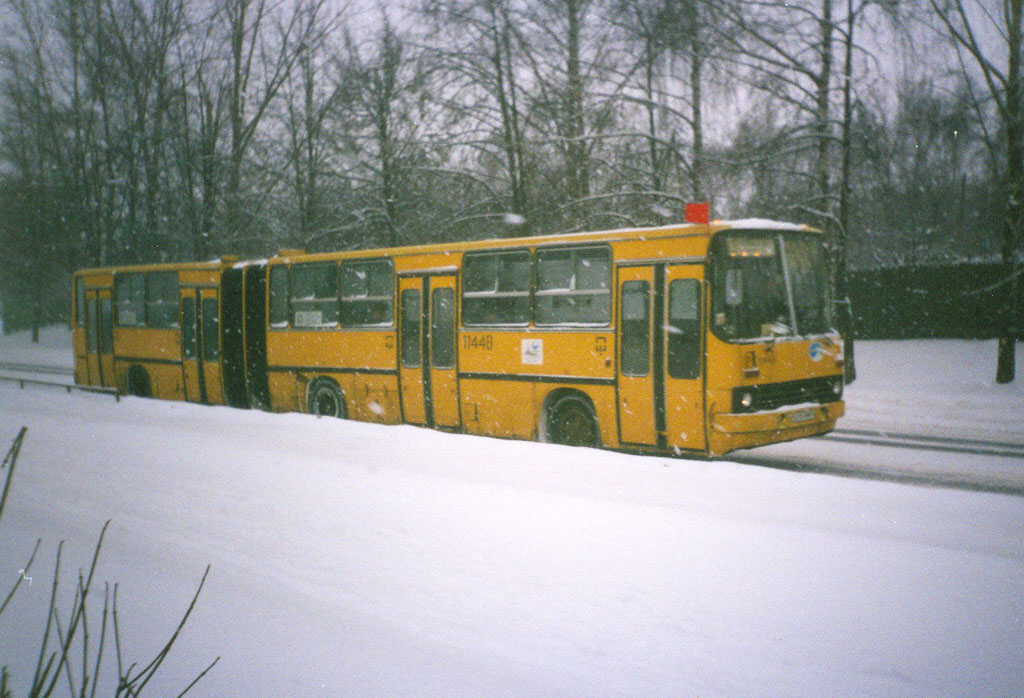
(478, 341)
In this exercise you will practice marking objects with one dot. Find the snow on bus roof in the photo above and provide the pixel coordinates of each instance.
(764, 224)
(249, 263)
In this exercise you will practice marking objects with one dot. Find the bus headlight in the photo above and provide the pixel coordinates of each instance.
(837, 387)
(747, 400)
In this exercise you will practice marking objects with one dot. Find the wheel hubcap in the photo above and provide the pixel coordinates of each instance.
(326, 404)
(574, 428)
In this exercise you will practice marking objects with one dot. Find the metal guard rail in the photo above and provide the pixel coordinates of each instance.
(22, 382)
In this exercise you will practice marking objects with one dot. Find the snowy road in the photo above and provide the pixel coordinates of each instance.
(928, 443)
(958, 428)
(357, 560)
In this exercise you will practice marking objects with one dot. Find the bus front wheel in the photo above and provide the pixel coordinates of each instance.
(573, 423)
(326, 400)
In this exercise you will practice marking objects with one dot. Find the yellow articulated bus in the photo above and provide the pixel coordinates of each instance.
(696, 338)
(173, 331)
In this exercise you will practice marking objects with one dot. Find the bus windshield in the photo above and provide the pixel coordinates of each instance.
(769, 284)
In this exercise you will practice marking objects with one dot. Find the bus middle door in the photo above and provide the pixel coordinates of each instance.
(427, 365)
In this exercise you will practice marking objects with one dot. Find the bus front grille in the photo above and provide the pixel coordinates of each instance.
(771, 396)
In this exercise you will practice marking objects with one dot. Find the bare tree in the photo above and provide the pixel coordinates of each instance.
(968, 23)
(678, 43)
(387, 81)
(33, 142)
(310, 98)
(198, 125)
(264, 42)
(143, 37)
(569, 48)
(842, 295)
(483, 58)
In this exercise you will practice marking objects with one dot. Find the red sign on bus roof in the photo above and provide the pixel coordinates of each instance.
(697, 213)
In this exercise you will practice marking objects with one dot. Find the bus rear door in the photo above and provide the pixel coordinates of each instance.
(99, 337)
(200, 345)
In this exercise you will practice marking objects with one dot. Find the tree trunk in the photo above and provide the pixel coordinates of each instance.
(650, 55)
(576, 149)
(696, 70)
(236, 117)
(845, 310)
(824, 80)
(1006, 359)
(506, 88)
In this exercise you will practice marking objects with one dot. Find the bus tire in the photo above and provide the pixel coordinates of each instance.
(572, 422)
(325, 399)
(138, 382)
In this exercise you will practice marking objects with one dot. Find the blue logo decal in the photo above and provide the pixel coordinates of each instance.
(816, 351)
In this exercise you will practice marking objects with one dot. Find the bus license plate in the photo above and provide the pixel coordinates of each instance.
(801, 416)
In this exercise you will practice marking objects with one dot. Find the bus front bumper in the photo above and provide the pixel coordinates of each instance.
(731, 431)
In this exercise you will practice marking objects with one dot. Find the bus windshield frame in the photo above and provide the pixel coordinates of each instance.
(768, 285)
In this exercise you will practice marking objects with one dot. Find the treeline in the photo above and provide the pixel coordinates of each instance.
(962, 301)
(159, 130)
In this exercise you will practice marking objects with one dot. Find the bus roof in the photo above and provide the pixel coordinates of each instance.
(603, 236)
(213, 264)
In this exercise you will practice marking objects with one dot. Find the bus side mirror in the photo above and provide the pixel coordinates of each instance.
(733, 287)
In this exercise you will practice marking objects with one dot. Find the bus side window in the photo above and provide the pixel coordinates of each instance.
(410, 330)
(279, 296)
(573, 286)
(442, 328)
(106, 326)
(496, 288)
(130, 298)
(211, 335)
(683, 328)
(79, 302)
(367, 293)
(162, 299)
(90, 326)
(314, 294)
(188, 327)
(636, 328)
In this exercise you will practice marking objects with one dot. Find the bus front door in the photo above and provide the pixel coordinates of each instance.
(427, 359)
(200, 345)
(99, 337)
(660, 390)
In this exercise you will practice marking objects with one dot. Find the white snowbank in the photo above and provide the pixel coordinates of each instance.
(938, 387)
(53, 349)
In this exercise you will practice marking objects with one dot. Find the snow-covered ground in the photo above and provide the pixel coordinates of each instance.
(352, 559)
(932, 388)
(53, 349)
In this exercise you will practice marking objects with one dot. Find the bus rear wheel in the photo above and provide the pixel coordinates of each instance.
(573, 423)
(326, 400)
